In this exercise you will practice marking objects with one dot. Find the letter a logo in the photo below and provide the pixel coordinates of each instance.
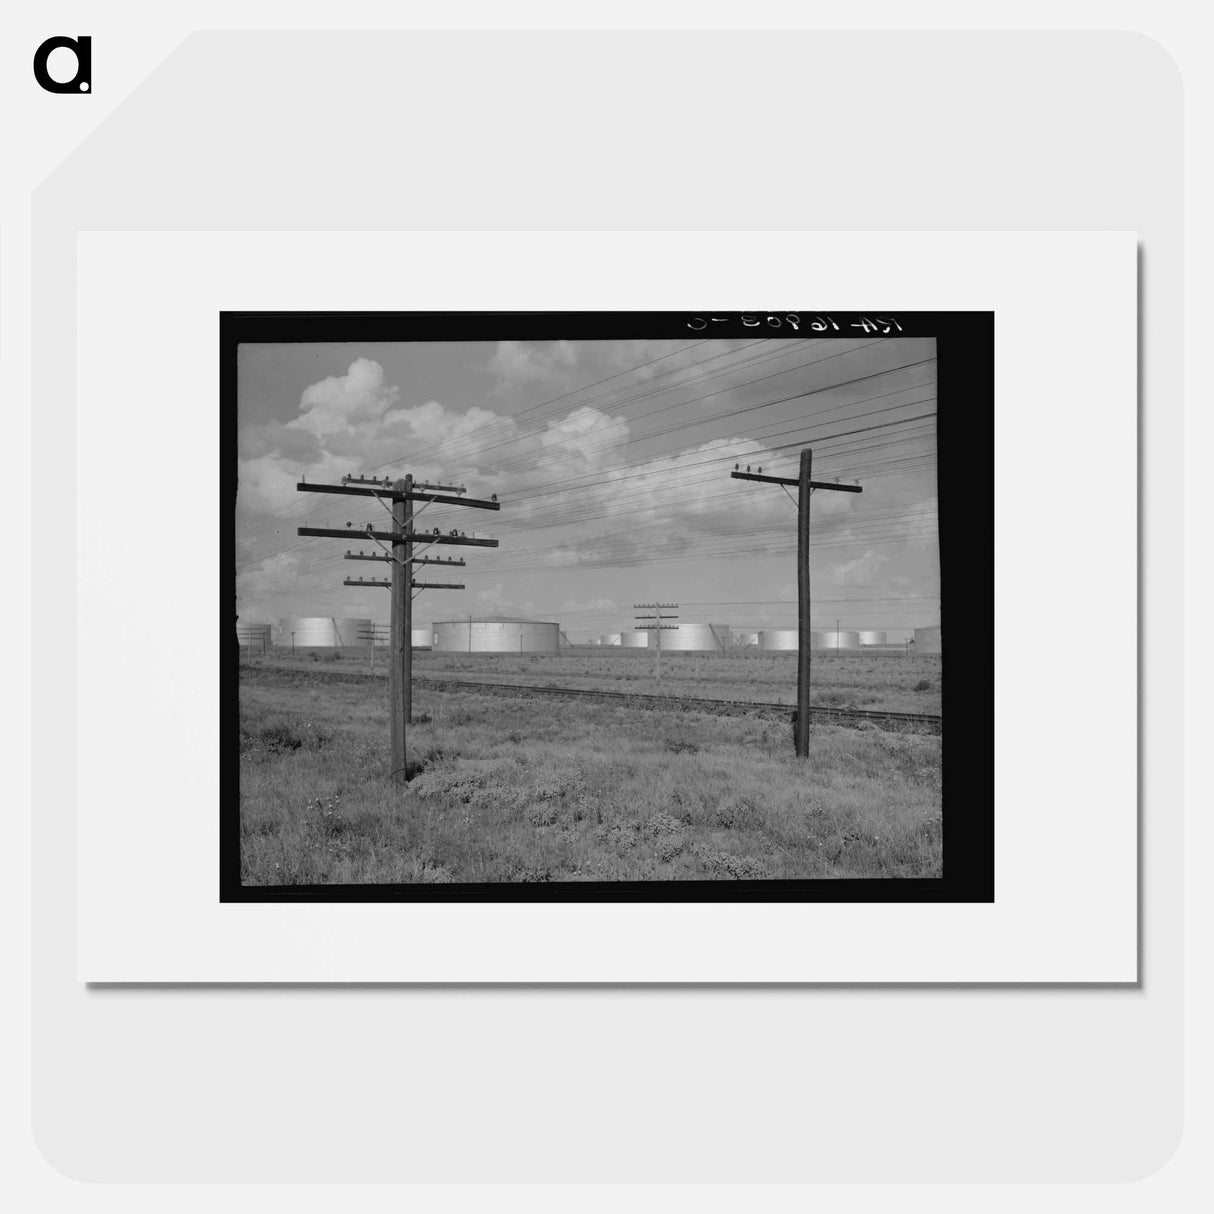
(82, 48)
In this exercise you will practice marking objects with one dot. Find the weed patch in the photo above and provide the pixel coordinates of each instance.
(508, 788)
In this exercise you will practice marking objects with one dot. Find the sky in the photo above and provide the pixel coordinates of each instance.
(611, 461)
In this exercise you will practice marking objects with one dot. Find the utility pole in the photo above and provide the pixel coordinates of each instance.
(805, 486)
(400, 655)
(657, 627)
(399, 545)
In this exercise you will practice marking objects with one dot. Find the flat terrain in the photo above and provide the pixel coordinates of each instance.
(891, 682)
(526, 788)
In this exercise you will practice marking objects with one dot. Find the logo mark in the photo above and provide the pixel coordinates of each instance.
(82, 48)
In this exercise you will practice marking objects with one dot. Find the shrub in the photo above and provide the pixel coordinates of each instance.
(736, 812)
(542, 813)
(278, 739)
(681, 746)
(327, 818)
(669, 847)
(726, 865)
(662, 824)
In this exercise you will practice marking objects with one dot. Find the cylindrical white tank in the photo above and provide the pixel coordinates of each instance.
(257, 636)
(777, 639)
(496, 636)
(694, 638)
(746, 640)
(631, 639)
(834, 638)
(609, 638)
(322, 632)
(871, 637)
(421, 638)
(927, 640)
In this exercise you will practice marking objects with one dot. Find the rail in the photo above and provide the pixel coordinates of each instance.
(925, 720)
(929, 722)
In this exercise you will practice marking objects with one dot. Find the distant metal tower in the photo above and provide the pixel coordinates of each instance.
(657, 627)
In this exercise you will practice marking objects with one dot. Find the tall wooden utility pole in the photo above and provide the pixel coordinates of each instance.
(804, 599)
(399, 546)
(804, 486)
(400, 658)
(657, 627)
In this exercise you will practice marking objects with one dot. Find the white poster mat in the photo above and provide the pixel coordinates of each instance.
(149, 591)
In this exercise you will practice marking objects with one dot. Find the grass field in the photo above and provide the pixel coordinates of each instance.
(887, 681)
(529, 789)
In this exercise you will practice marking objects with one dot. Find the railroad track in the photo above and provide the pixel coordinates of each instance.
(918, 720)
(923, 722)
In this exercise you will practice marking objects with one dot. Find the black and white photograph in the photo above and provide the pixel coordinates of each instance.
(496, 491)
(615, 605)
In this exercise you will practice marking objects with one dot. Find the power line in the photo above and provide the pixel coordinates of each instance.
(738, 412)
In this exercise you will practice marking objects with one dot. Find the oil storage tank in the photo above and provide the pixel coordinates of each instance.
(609, 638)
(746, 640)
(421, 638)
(496, 635)
(323, 632)
(254, 636)
(695, 638)
(870, 637)
(631, 639)
(777, 639)
(927, 640)
(834, 638)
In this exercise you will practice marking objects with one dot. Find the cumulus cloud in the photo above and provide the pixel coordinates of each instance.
(575, 487)
(266, 483)
(434, 423)
(261, 589)
(599, 604)
(492, 600)
(859, 571)
(497, 601)
(585, 440)
(529, 362)
(341, 403)
(356, 422)
(270, 438)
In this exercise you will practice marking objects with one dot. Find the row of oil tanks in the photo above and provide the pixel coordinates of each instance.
(927, 640)
(450, 636)
(719, 638)
(819, 638)
(686, 638)
(503, 635)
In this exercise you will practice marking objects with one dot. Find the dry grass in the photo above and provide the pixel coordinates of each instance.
(535, 790)
(886, 681)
